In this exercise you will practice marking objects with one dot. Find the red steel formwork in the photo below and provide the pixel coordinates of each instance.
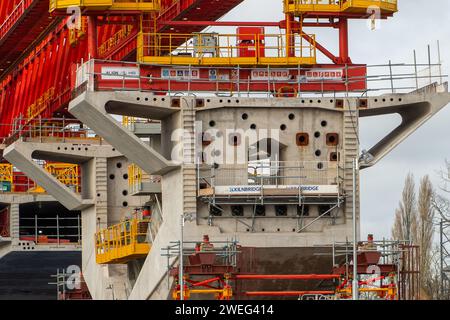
(44, 53)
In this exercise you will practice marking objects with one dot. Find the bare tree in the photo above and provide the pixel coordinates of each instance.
(405, 223)
(423, 235)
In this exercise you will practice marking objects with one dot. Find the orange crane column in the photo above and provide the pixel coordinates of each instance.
(343, 41)
(290, 39)
(92, 37)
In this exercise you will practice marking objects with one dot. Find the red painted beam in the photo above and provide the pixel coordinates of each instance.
(321, 48)
(281, 24)
(222, 23)
(205, 282)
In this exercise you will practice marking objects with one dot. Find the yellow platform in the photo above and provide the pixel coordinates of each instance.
(202, 49)
(100, 5)
(122, 242)
(299, 7)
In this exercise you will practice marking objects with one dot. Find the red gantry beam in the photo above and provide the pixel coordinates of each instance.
(22, 22)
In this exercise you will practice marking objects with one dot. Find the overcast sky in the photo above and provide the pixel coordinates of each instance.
(417, 24)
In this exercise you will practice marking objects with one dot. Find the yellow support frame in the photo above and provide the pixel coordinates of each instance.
(298, 7)
(122, 242)
(114, 5)
(163, 49)
(66, 173)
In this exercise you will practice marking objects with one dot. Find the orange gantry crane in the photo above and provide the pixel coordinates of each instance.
(38, 50)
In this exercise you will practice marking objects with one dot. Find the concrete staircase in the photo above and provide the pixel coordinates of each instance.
(189, 153)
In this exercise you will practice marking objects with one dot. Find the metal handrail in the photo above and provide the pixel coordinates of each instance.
(340, 5)
(217, 47)
(122, 240)
(137, 176)
(57, 128)
(132, 5)
(406, 79)
(12, 18)
(280, 173)
(67, 174)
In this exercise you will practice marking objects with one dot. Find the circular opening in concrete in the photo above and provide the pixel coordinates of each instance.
(125, 192)
(317, 134)
(323, 123)
(283, 127)
(125, 176)
(253, 126)
(244, 116)
(125, 204)
(111, 176)
(212, 123)
(119, 165)
(318, 153)
(291, 116)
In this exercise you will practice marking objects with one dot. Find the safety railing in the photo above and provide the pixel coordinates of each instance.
(14, 16)
(122, 5)
(138, 177)
(289, 173)
(49, 130)
(225, 49)
(68, 174)
(123, 242)
(57, 230)
(269, 81)
(128, 122)
(351, 6)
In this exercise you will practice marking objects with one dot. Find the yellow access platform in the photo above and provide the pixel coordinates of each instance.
(103, 5)
(123, 242)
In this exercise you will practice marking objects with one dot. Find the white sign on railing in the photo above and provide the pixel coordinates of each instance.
(120, 73)
(180, 73)
(256, 189)
(275, 75)
(324, 74)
